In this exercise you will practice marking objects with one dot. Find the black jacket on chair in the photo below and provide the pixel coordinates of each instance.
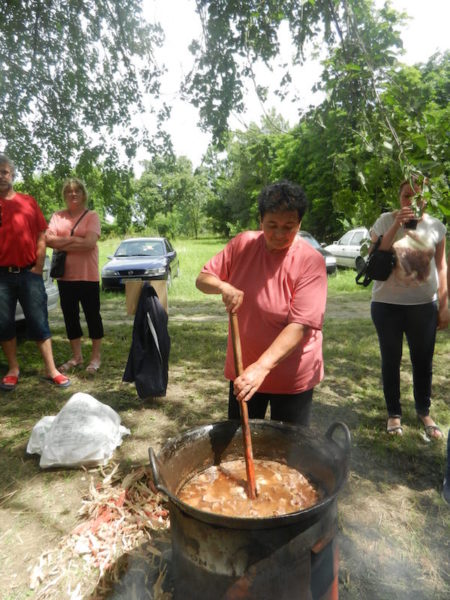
(148, 360)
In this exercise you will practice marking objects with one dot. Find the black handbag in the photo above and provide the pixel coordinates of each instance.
(378, 267)
(58, 263)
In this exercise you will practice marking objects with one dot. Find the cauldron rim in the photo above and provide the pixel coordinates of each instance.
(236, 522)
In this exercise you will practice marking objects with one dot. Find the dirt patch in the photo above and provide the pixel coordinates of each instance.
(341, 307)
(393, 524)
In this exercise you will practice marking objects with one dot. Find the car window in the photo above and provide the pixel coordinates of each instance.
(168, 246)
(346, 238)
(152, 249)
(358, 237)
(141, 248)
(122, 250)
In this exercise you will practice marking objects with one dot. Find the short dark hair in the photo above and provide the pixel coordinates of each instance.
(5, 160)
(282, 196)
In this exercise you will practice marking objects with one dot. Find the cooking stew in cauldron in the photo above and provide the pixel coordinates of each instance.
(222, 490)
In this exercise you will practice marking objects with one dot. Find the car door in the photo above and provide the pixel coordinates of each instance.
(358, 238)
(342, 250)
(173, 258)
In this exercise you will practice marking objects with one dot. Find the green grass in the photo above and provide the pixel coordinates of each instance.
(344, 281)
(391, 515)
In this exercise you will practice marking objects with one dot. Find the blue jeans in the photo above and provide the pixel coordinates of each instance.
(28, 288)
(290, 408)
(418, 322)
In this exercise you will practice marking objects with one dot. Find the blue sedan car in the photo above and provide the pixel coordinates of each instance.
(140, 258)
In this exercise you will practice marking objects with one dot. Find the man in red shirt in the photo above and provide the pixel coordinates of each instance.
(22, 255)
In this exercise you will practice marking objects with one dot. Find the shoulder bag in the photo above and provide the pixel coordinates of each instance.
(379, 265)
(59, 256)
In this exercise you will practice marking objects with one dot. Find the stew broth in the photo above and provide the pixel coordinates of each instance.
(222, 490)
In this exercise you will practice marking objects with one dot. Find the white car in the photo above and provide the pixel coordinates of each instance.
(347, 250)
(330, 260)
(50, 288)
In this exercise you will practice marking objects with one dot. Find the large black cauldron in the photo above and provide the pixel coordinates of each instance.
(216, 556)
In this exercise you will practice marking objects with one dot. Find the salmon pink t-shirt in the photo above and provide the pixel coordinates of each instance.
(279, 288)
(81, 265)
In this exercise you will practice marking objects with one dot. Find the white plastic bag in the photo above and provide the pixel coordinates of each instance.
(85, 432)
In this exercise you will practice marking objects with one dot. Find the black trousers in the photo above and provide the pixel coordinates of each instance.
(418, 323)
(290, 408)
(86, 293)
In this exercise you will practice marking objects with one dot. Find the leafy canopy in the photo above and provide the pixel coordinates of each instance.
(238, 34)
(72, 75)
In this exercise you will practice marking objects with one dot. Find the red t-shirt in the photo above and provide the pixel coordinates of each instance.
(21, 223)
(279, 288)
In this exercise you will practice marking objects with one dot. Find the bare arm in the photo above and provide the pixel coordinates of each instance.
(72, 242)
(40, 254)
(401, 217)
(251, 379)
(210, 284)
(441, 265)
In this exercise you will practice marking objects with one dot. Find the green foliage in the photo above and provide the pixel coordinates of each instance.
(350, 175)
(72, 75)
(379, 123)
(171, 197)
(110, 191)
(239, 34)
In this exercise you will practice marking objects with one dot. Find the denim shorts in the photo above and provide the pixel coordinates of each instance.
(27, 288)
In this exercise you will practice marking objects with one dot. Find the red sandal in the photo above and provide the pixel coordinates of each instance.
(59, 380)
(9, 383)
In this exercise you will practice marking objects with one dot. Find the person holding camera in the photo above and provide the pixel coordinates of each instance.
(412, 302)
(76, 231)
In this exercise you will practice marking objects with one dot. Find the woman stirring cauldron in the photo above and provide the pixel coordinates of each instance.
(277, 284)
(412, 301)
(80, 282)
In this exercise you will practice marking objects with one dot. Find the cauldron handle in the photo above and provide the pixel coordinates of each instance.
(348, 438)
(155, 472)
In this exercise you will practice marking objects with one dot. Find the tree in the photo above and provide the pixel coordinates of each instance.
(72, 75)
(170, 197)
(362, 45)
(349, 174)
(238, 34)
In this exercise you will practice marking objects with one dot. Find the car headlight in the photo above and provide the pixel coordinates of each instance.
(157, 271)
(110, 273)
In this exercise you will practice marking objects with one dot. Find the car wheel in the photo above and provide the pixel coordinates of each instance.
(359, 263)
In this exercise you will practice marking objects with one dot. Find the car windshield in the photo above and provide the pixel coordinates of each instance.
(309, 238)
(141, 248)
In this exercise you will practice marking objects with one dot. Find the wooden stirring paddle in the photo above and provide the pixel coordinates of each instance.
(249, 465)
